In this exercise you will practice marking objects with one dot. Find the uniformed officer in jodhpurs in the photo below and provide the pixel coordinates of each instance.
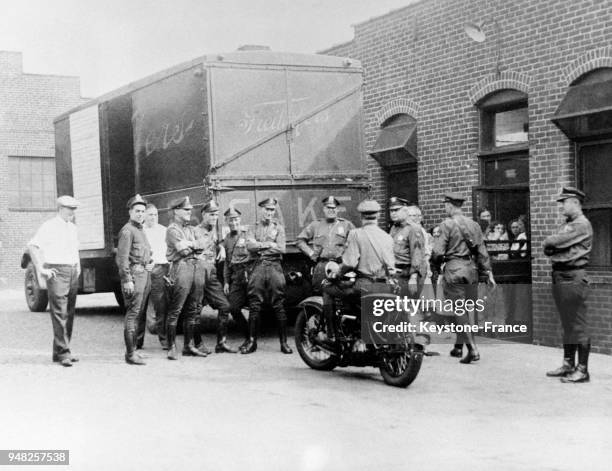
(211, 253)
(569, 251)
(408, 248)
(186, 278)
(236, 271)
(54, 250)
(461, 248)
(322, 241)
(135, 263)
(267, 281)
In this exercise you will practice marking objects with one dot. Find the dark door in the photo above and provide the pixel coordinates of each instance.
(403, 182)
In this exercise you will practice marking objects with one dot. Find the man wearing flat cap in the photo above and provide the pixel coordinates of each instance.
(54, 250)
(408, 248)
(186, 277)
(323, 241)
(267, 281)
(569, 251)
(236, 270)
(210, 253)
(135, 263)
(461, 248)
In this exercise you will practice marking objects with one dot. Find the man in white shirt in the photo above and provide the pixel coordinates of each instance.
(54, 250)
(155, 322)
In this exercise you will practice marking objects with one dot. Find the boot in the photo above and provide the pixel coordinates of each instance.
(171, 339)
(569, 362)
(131, 358)
(222, 346)
(282, 336)
(472, 354)
(189, 349)
(581, 373)
(251, 345)
(328, 314)
(457, 352)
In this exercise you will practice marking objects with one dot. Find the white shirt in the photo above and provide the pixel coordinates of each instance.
(58, 240)
(156, 236)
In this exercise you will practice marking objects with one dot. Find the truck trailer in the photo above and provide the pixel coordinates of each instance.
(239, 127)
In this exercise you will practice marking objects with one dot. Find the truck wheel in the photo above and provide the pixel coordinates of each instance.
(36, 297)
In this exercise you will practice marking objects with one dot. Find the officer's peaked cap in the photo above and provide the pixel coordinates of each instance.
(181, 203)
(453, 197)
(330, 201)
(570, 192)
(368, 207)
(68, 202)
(232, 213)
(268, 203)
(210, 207)
(396, 202)
(134, 200)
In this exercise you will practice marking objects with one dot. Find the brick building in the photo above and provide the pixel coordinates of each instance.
(474, 114)
(28, 105)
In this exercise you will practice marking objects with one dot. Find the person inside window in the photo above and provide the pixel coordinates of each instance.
(518, 248)
(498, 233)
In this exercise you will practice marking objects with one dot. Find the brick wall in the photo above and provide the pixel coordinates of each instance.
(421, 55)
(28, 105)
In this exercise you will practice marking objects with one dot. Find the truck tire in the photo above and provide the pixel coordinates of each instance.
(36, 298)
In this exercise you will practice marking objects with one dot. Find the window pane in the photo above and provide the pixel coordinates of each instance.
(596, 163)
(506, 171)
(31, 182)
(511, 127)
(601, 220)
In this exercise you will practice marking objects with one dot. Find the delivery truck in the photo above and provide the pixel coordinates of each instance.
(238, 127)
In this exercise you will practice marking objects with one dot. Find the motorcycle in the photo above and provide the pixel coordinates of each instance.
(399, 363)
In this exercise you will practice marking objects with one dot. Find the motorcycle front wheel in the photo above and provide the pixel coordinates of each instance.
(400, 368)
(308, 324)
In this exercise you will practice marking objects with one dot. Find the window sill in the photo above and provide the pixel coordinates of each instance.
(518, 148)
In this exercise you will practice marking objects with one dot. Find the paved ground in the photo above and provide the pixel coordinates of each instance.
(269, 411)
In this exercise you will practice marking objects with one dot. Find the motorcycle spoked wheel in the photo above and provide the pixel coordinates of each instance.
(400, 368)
(308, 324)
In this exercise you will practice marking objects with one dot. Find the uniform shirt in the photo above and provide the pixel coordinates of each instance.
(58, 240)
(179, 239)
(132, 249)
(571, 246)
(206, 242)
(236, 251)
(361, 255)
(409, 247)
(451, 244)
(156, 236)
(328, 238)
(266, 232)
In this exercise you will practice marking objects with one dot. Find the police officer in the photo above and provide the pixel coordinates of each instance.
(236, 270)
(327, 239)
(186, 278)
(408, 248)
(267, 282)
(135, 264)
(54, 250)
(569, 251)
(461, 247)
(210, 252)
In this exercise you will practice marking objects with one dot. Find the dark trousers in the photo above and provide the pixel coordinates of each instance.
(62, 290)
(403, 284)
(135, 305)
(570, 291)
(460, 282)
(267, 285)
(238, 292)
(154, 322)
(186, 293)
(212, 291)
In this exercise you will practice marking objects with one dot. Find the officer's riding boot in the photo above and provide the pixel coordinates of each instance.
(282, 336)
(189, 348)
(247, 336)
(222, 346)
(328, 314)
(197, 339)
(171, 339)
(569, 362)
(581, 373)
(251, 345)
(131, 357)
